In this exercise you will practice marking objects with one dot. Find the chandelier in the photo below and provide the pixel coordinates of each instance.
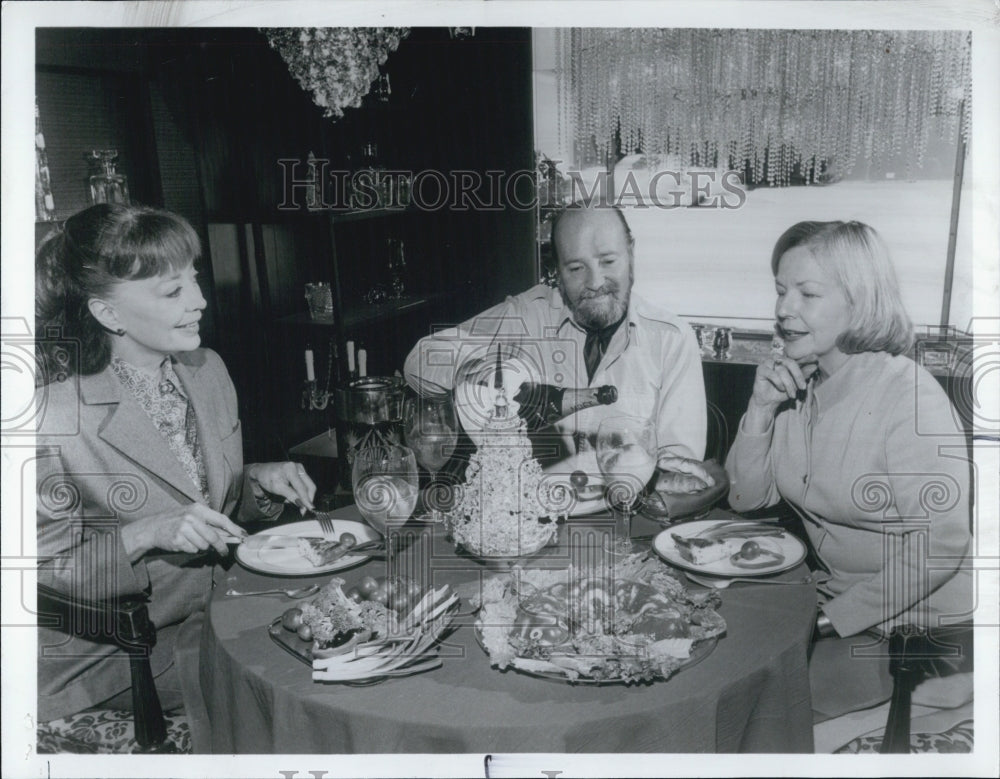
(771, 102)
(336, 65)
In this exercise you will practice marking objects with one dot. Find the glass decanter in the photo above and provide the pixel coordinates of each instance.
(106, 185)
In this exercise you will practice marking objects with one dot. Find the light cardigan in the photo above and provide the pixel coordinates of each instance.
(874, 461)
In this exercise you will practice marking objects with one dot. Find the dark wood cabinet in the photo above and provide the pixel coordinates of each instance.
(202, 119)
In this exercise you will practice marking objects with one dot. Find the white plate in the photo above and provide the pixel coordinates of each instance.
(287, 561)
(593, 499)
(792, 550)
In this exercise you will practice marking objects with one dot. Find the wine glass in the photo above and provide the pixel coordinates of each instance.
(626, 455)
(384, 478)
(430, 430)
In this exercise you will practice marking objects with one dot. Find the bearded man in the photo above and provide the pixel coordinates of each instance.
(589, 330)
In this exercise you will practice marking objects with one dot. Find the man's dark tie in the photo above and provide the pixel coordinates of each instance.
(596, 345)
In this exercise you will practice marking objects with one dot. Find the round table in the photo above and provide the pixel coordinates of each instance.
(751, 694)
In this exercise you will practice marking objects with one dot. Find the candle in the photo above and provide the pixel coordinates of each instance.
(310, 368)
(350, 357)
(362, 362)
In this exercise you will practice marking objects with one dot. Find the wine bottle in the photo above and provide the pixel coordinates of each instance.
(544, 404)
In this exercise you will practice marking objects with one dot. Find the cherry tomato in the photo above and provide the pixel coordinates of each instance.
(578, 479)
(305, 632)
(347, 540)
(381, 593)
(404, 594)
(355, 595)
(291, 619)
(750, 550)
(367, 586)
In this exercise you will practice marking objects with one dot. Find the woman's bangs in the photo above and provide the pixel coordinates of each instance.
(159, 245)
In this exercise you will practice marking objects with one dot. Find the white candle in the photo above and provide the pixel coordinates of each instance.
(350, 356)
(362, 362)
(310, 368)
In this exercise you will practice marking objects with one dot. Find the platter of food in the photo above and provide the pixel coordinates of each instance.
(582, 481)
(681, 495)
(640, 626)
(365, 634)
(301, 549)
(739, 547)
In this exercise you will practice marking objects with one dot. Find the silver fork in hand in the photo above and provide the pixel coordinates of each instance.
(326, 525)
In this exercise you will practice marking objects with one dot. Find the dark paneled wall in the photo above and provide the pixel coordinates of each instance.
(201, 118)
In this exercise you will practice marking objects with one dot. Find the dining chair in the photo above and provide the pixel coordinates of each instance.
(914, 656)
(124, 622)
(717, 435)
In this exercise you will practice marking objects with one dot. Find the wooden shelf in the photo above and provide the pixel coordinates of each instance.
(335, 215)
(367, 315)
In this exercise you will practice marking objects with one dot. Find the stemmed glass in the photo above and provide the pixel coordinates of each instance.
(385, 482)
(626, 455)
(430, 430)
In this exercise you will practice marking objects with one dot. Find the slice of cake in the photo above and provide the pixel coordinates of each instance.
(320, 551)
(702, 551)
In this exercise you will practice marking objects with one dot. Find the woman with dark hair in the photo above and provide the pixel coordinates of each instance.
(851, 433)
(139, 461)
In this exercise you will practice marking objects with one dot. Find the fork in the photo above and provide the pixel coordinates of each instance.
(721, 584)
(326, 525)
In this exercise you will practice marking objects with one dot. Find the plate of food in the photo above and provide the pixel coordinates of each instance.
(738, 547)
(365, 634)
(581, 479)
(683, 495)
(641, 626)
(302, 549)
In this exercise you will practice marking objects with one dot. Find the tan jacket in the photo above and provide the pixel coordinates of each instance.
(101, 464)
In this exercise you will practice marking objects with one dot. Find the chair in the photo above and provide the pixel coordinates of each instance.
(717, 436)
(124, 622)
(916, 655)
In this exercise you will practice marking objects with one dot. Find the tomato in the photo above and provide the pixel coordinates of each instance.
(367, 586)
(661, 627)
(291, 619)
(355, 595)
(404, 594)
(381, 592)
(750, 550)
(305, 632)
(673, 628)
(347, 540)
(578, 479)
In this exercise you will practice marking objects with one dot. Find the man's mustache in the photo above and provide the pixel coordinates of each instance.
(609, 288)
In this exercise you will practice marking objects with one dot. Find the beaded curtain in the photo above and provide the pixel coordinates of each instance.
(774, 102)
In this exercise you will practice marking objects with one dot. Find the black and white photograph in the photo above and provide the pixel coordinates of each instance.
(501, 389)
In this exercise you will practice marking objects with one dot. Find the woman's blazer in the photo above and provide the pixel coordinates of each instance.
(101, 463)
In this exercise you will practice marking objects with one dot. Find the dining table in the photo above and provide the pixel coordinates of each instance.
(750, 693)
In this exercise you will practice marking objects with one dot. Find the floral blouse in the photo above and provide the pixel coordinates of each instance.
(167, 405)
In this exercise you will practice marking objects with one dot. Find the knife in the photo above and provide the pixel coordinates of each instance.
(277, 541)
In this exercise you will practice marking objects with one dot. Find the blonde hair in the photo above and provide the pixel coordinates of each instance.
(855, 255)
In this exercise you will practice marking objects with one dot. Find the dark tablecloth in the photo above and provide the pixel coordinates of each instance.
(751, 694)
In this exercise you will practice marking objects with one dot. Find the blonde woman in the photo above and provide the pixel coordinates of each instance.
(864, 445)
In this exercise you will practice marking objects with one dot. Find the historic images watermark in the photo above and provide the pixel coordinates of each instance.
(313, 184)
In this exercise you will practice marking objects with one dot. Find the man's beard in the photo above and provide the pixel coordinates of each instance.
(601, 309)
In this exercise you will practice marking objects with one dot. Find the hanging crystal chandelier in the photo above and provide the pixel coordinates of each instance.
(773, 103)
